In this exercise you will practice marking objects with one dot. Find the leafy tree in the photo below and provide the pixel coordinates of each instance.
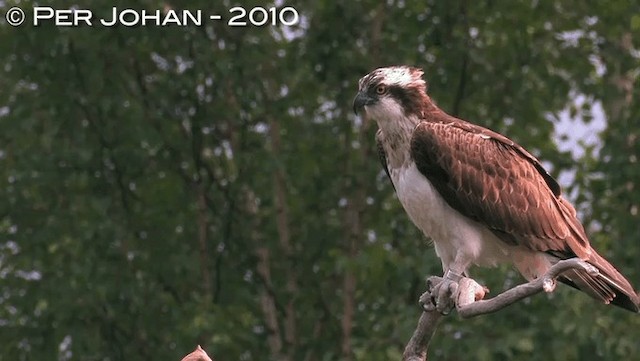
(167, 186)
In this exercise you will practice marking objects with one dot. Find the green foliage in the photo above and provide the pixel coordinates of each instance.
(160, 185)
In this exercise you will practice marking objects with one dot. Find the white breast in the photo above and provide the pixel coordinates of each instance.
(459, 241)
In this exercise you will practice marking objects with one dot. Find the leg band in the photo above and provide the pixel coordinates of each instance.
(450, 275)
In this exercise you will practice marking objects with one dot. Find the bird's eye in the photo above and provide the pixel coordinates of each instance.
(381, 89)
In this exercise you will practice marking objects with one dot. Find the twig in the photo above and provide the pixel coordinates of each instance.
(416, 349)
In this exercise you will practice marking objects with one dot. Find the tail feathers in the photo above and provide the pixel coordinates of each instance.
(609, 286)
(593, 286)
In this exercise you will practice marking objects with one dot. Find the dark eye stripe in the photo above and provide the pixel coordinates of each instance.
(409, 98)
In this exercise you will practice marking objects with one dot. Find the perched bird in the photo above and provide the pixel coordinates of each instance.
(481, 198)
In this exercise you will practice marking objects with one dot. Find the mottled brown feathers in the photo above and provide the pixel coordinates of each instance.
(490, 179)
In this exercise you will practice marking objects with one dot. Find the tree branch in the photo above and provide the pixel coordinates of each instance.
(416, 349)
(545, 283)
(202, 225)
(284, 234)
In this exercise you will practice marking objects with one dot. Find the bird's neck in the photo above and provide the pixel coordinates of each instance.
(396, 138)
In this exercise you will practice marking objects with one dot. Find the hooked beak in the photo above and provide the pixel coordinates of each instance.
(362, 99)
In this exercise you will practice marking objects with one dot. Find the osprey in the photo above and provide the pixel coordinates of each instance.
(481, 198)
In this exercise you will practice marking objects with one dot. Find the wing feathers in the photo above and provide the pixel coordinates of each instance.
(624, 294)
(490, 179)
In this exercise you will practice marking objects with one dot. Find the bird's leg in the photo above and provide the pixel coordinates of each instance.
(453, 290)
(447, 292)
(442, 293)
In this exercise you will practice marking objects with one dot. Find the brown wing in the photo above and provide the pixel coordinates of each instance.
(490, 179)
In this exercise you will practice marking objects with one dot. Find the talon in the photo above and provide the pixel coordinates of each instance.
(446, 294)
(427, 302)
(443, 294)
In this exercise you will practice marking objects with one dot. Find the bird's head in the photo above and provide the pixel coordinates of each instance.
(391, 92)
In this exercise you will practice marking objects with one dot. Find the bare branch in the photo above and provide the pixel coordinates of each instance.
(545, 283)
(268, 303)
(416, 349)
(267, 298)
